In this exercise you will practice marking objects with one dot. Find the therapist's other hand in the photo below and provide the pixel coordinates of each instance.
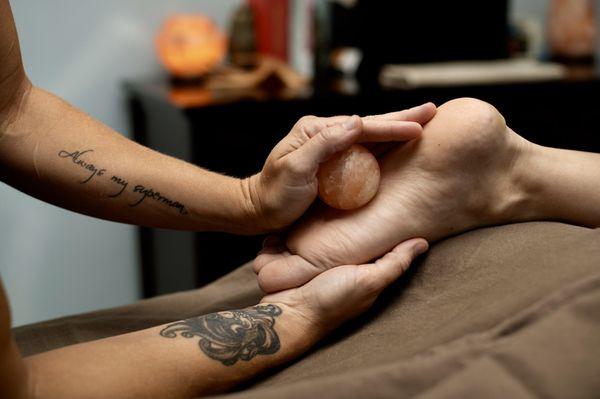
(344, 292)
(287, 184)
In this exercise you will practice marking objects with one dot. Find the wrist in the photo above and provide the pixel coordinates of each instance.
(299, 326)
(262, 215)
(254, 217)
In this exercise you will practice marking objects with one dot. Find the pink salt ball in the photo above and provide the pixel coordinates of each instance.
(349, 179)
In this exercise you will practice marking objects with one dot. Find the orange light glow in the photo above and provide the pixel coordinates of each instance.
(189, 46)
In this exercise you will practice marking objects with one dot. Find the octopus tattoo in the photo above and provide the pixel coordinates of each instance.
(232, 335)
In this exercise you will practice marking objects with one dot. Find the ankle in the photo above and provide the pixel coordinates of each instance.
(519, 192)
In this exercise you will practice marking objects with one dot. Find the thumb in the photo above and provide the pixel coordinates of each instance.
(386, 270)
(286, 272)
(323, 145)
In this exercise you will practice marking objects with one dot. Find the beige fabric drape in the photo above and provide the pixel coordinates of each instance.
(510, 311)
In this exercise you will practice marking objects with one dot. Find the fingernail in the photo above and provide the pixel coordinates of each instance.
(351, 123)
(421, 247)
(424, 105)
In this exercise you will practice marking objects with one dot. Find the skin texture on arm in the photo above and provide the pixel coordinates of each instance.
(468, 170)
(12, 75)
(209, 353)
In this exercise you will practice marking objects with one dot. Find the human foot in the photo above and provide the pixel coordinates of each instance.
(458, 176)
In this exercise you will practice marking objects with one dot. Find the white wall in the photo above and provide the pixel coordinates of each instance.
(529, 7)
(54, 262)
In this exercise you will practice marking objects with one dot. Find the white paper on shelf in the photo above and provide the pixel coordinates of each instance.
(469, 73)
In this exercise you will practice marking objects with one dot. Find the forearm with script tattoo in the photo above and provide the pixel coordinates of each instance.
(60, 155)
(92, 171)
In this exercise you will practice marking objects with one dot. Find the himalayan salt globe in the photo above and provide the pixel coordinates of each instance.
(349, 179)
(572, 29)
(190, 45)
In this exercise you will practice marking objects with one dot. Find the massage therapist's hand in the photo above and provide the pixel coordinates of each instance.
(287, 184)
(344, 292)
(468, 169)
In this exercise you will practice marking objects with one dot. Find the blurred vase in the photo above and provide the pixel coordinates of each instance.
(572, 30)
(189, 46)
(242, 47)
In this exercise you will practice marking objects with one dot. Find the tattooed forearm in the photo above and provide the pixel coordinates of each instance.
(232, 335)
(77, 157)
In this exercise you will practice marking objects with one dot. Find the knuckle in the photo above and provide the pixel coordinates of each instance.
(402, 259)
(367, 282)
(307, 121)
(309, 125)
(271, 278)
(404, 263)
(308, 118)
(265, 282)
(331, 139)
(258, 264)
(289, 164)
(330, 134)
(295, 168)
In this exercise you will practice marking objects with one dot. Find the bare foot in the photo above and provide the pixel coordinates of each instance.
(460, 175)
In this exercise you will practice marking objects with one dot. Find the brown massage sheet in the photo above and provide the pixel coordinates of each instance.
(503, 312)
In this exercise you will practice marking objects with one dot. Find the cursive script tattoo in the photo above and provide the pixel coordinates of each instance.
(77, 158)
(232, 335)
(155, 195)
(90, 167)
(121, 182)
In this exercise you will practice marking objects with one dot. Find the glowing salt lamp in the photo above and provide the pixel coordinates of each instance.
(349, 179)
(572, 29)
(190, 45)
